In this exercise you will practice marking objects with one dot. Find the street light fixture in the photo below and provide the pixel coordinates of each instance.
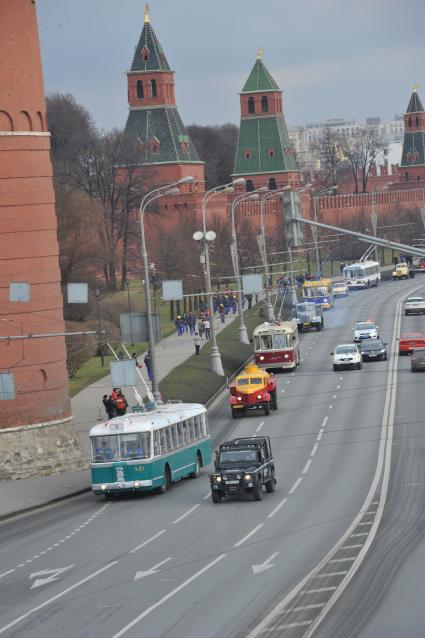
(163, 191)
(216, 363)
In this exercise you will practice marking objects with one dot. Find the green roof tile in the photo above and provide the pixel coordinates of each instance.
(156, 60)
(259, 79)
(413, 149)
(415, 104)
(163, 123)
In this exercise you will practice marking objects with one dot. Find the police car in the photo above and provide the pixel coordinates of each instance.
(365, 330)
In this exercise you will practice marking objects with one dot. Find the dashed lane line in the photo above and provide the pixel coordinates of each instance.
(307, 466)
(277, 508)
(260, 426)
(247, 536)
(146, 542)
(314, 450)
(295, 485)
(183, 516)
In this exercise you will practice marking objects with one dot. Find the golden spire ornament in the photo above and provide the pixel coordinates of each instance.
(260, 54)
(147, 11)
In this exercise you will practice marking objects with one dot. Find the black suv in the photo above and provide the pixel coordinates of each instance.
(243, 465)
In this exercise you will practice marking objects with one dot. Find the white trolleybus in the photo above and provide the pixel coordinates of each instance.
(146, 451)
(363, 274)
(277, 344)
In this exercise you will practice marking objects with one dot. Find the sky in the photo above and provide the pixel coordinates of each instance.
(331, 58)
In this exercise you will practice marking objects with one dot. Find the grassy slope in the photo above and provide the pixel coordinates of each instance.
(194, 380)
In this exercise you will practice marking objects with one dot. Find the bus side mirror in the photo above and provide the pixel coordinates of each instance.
(331, 353)
(216, 459)
(251, 341)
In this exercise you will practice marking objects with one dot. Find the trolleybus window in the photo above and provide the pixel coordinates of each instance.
(105, 448)
(243, 381)
(279, 341)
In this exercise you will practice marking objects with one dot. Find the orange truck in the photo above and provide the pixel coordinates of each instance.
(253, 389)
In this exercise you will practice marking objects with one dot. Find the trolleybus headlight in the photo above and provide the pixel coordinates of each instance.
(258, 396)
(286, 356)
(136, 484)
(103, 487)
(261, 358)
(247, 477)
(239, 398)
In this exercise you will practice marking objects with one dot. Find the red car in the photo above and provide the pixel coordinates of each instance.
(409, 341)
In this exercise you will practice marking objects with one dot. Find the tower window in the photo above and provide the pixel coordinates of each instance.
(251, 105)
(264, 104)
(271, 152)
(248, 155)
(249, 185)
(145, 54)
(417, 121)
(140, 92)
(406, 176)
(410, 121)
(272, 184)
(154, 90)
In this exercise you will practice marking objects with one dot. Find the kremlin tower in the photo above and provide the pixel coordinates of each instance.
(412, 166)
(36, 429)
(165, 145)
(264, 156)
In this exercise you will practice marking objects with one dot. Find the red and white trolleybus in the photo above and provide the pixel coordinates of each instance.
(277, 344)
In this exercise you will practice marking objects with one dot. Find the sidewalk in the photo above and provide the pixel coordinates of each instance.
(26, 494)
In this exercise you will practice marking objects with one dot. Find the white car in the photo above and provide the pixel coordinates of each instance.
(414, 306)
(340, 289)
(347, 355)
(365, 330)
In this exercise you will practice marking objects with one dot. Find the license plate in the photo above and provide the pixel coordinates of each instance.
(306, 323)
(373, 355)
(232, 482)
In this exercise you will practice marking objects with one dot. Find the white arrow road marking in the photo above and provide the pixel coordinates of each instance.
(266, 565)
(52, 574)
(152, 570)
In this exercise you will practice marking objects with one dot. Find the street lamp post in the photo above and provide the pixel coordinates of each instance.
(374, 216)
(170, 189)
(102, 355)
(127, 283)
(216, 363)
(243, 333)
(315, 233)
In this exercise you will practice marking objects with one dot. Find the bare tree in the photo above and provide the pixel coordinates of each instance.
(333, 163)
(361, 150)
(216, 146)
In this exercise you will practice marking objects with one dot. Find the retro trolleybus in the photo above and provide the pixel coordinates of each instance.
(364, 274)
(318, 291)
(145, 451)
(277, 345)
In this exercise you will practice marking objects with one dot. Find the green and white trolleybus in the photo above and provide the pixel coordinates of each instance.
(145, 451)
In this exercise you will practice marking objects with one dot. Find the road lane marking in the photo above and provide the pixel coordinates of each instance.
(292, 625)
(365, 524)
(358, 535)
(307, 466)
(180, 518)
(319, 436)
(282, 391)
(60, 595)
(338, 387)
(251, 533)
(351, 546)
(152, 570)
(318, 590)
(343, 560)
(164, 599)
(334, 396)
(330, 407)
(8, 572)
(295, 485)
(325, 420)
(314, 450)
(288, 382)
(304, 607)
(207, 496)
(330, 574)
(260, 426)
(149, 540)
(277, 508)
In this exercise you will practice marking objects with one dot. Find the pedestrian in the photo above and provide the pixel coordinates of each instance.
(121, 355)
(200, 327)
(222, 313)
(341, 267)
(134, 356)
(121, 404)
(395, 261)
(249, 300)
(207, 329)
(179, 325)
(197, 341)
(148, 363)
(109, 406)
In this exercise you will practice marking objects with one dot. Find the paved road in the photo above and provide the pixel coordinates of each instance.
(177, 565)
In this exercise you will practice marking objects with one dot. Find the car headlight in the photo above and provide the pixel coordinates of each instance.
(136, 484)
(259, 396)
(382, 351)
(261, 358)
(316, 318)
(103, 487)
(286, 356)
(247, 477)
(217, 479)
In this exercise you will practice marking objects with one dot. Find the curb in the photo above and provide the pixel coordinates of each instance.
(33, 508)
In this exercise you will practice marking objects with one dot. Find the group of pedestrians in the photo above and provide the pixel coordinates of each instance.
(115, 404)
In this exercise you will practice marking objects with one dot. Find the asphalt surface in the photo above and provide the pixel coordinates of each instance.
(177, 565)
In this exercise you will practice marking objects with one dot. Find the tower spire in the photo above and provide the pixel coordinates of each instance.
(147, 14)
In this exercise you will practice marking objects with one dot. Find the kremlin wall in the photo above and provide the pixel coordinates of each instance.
(36, 426)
